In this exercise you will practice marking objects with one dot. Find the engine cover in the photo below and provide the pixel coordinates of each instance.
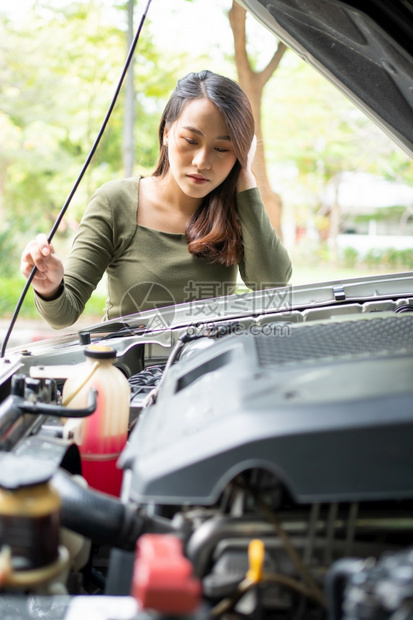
(326, 406)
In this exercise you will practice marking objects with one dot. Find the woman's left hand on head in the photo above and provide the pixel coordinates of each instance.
(246, 178)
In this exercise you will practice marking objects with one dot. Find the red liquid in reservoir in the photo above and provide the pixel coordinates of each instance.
(99, 468)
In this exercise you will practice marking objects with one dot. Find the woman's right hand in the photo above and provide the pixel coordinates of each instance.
(49, 274)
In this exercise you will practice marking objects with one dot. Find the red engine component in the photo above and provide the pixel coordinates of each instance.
(163, 577)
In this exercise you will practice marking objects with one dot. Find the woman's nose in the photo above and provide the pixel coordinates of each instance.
(201, 159)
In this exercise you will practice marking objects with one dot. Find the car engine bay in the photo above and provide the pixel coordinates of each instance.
(267, 471)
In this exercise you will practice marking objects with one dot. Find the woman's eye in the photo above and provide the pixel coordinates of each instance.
(221, 150)
(190, 141)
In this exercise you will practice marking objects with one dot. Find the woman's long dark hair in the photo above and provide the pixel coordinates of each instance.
(214, 231)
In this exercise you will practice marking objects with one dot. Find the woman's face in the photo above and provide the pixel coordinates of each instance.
(201, 154)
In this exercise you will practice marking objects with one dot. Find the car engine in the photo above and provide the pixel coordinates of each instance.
(268, 471)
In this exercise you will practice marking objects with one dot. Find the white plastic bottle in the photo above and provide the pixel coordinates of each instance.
(101, 436)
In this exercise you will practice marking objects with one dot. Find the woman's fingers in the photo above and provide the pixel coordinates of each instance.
(40, 253)
(35, 255)
(251, 153)
(246, 179)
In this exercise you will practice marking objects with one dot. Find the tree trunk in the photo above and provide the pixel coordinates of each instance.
(128, 148)
(252, 83)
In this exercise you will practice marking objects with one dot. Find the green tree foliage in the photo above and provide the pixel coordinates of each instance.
(58, 73)
(310, 124)
(313, 133)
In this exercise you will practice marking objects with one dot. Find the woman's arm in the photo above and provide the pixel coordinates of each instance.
(91, 253)
(266, 263)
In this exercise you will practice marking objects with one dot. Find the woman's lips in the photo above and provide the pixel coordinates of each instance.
(198, 179)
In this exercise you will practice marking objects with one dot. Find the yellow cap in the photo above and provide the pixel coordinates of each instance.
(256, 555)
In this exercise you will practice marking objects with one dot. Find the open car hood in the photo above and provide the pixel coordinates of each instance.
(364, 48)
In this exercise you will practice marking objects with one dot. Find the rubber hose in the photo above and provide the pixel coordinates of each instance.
(95, 515)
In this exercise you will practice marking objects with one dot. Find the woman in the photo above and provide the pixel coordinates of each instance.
(177, 235)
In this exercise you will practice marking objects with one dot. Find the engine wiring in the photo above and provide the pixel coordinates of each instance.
(267, 578)
(311, 586)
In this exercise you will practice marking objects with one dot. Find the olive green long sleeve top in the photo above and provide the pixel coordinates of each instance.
(148, 268)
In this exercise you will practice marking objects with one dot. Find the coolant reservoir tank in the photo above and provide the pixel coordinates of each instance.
(101, 436)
